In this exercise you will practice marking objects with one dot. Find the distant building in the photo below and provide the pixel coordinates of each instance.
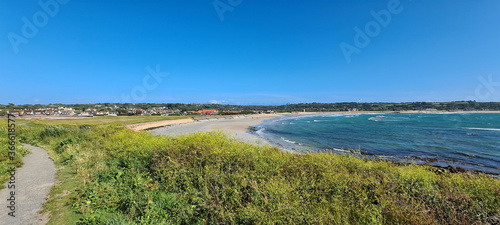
(64, 108)
(28, 112)
(15, 112)
(37, 112)
(85, 114)
(234, 112)
(207, 111)
(67, 113)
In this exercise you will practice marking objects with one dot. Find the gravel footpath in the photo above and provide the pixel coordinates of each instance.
(33, 182)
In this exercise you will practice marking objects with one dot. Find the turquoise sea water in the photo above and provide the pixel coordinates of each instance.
(470, 141)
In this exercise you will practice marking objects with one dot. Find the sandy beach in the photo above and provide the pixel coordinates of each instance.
(237, 126)
(149, 125)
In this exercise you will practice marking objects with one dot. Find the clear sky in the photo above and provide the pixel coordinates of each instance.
(249, 52)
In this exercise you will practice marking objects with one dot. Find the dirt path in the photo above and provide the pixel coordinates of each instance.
(33, 182)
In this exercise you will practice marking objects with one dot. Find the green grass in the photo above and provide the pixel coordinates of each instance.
(117, 176)
(102, 120)
(5, 160)
(61, 195)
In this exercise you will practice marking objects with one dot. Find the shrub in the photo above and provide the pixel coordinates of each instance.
(65, 143)
(209, 178)
(52, 131)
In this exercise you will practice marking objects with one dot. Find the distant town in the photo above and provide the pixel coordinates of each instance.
(112, 111)
(176, 109)
(116, 110)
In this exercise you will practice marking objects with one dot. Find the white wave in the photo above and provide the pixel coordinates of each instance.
(341, 150)
(386, 119)
(286, 140)
(292, 123)
(285, 118)
(488, 129)
(333, 115)
(260, 132)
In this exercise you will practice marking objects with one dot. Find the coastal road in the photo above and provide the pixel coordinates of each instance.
(33, 182)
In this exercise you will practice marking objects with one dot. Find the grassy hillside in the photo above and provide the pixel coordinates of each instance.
(103, 120)
(111, 175)
(5, 160)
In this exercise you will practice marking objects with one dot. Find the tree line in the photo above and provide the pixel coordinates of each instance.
(308, 107)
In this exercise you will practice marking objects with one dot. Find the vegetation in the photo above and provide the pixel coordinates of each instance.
(5, 160)
(103, 120)
(111, 175)
(309, 107)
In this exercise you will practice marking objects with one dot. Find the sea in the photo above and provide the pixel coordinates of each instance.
(466, 140)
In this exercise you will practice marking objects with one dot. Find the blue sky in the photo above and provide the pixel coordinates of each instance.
(248, 52)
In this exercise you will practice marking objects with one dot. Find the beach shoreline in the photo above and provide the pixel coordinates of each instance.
(239, 125)
(236, 126)
(243, 119)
